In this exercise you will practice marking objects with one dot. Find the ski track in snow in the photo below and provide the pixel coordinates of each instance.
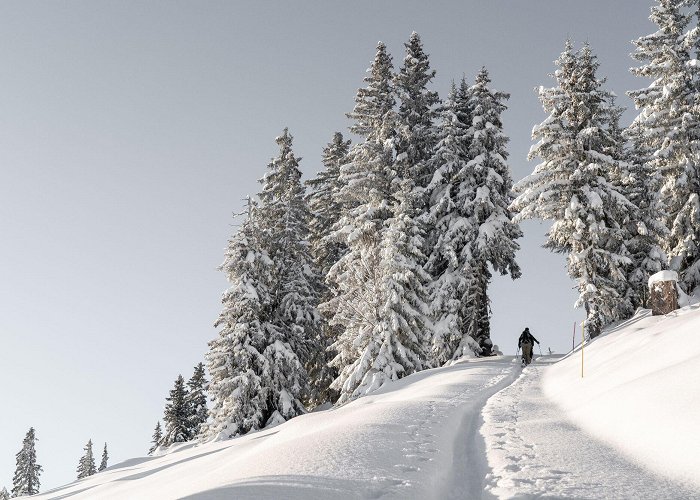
(479, 429)
(534, 452)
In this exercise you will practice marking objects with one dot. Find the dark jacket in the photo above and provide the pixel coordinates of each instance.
(526, 336)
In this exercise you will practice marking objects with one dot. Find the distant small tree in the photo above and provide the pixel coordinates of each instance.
(156, 439)
(197, 400)
(176, 426)
(86, 465)
(4, 494)
(26, 478)
(105, 458)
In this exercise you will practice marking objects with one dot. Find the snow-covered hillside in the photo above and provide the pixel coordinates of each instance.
(480, 428)
(640, 392)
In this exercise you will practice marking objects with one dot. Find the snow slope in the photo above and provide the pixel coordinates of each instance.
(477, 429)
(640, 392)
(534, 450)
(400, 442)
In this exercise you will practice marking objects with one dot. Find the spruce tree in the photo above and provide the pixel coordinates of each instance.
(283, 217)
(573, 187)
(416, 114)
(405, 308)
(197, 400)
(366, 349)
(176, 415)
(326, 210)
(235, 360)
(452, 223)
(26, 478)
(669, 127)
(86, 465)
(156, 440)
(325, 206)
(646, 229)
(105, 458)
(496, 233)
(4, 494)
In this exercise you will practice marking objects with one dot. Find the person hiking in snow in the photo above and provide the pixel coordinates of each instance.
(526, 342)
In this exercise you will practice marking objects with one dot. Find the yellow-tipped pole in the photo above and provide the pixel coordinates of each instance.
(583, 339)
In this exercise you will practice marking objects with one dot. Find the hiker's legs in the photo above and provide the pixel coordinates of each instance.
(527, 352)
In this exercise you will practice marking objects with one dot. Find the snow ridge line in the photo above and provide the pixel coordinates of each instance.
(467, 479)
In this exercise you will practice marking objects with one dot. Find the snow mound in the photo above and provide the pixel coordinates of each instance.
(640, 392)
(663, 276)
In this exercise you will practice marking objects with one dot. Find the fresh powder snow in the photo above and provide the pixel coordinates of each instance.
(479, 428)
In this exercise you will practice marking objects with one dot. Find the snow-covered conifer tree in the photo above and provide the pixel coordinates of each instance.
(646, 230)
(326, 211)
(235, 360)
(270, 322)
(156, 439)
(367, 192)
(325, 206)
(452, 230)
(283, 218)
(405, 310)
(176, 415)
(86, 464)
(572, 186)
(105, 459)
(197, 400)
(26, 478)
(4, 494)
(417, 111)
(496, 233)
(669, 126)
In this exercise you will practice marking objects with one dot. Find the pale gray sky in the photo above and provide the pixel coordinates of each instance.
(129, 133)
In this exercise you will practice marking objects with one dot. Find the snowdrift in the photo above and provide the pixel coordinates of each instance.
(640, 392)
(399, 442)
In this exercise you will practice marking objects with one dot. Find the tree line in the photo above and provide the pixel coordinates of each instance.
(381, 267)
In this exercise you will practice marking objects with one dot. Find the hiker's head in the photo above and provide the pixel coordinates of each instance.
(527, 329)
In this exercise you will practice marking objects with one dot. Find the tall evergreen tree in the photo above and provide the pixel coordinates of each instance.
(176, 415)
(270, 322)
(86, 465)
(646, 229)
(157, 439)
(235, 360)
(453, 229)
(105, 459)
(670, 127)
(283, 218)
(572, 186)
(405, 308)
(496, 233)
(26, 478)
(197, 400)
(370, 350)
(326, 210)
(417, 111)
(325, 206)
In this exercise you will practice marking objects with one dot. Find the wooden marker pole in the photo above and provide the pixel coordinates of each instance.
(583, 339)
